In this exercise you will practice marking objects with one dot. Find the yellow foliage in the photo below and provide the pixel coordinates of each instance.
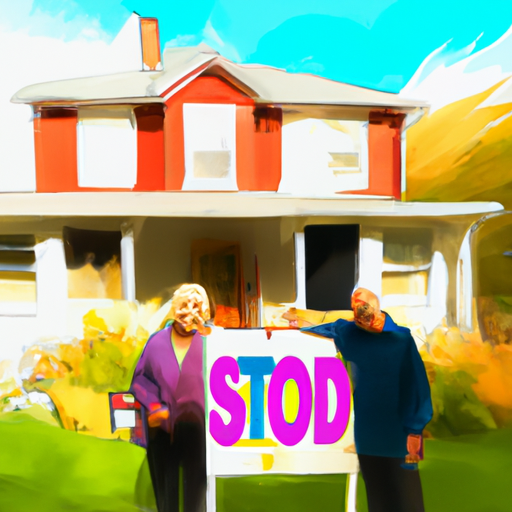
(494, 386)
(77, 376)
(489, 366)
(452, 348)
(72, 355)
(94, 325)
(82, 409)
(463, 144)
(48, 367)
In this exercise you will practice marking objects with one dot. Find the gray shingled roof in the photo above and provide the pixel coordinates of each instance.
(263, 83)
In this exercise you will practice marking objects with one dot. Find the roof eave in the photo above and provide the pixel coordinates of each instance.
(362, 105)
(74, 103)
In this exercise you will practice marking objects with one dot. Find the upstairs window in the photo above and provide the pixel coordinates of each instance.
(325, 156)
(210, 146)
(106, 147)
(346, 153)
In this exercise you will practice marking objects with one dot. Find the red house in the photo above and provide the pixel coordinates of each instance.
(206, 123)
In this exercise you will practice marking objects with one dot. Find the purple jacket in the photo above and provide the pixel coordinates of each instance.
(158, 378)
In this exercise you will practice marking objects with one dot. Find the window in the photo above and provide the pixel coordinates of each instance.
(406, 268)
(18, 293)
(324, 156)
(93, 263)
(210, 146)
(331, 265)
(405, 283)
(346, 152)
(107, 147)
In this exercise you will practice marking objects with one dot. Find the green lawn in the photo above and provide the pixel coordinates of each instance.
(468, 473)
(47, 469)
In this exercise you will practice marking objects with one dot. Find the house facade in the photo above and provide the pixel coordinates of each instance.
(206, 123)
(275, 150)
(274, 190)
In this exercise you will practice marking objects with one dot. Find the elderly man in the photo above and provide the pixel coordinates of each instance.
(392, 402)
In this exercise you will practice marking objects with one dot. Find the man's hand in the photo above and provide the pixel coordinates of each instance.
(413, 447)
(158, 414)
(294, 320)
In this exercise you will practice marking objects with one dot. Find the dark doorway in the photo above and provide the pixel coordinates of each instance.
(331, 265)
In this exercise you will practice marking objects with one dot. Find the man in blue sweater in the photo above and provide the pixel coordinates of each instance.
(392, 402)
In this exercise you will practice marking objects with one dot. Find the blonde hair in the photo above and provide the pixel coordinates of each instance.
(187, 291)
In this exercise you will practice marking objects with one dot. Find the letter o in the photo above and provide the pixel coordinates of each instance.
(289, 368)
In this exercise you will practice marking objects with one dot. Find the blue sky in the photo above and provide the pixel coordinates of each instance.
(372, 43)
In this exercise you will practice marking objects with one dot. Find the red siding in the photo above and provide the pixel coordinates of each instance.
(56, 150)
(150, 148)
(384, 159)
(258, 150)
(258, 160)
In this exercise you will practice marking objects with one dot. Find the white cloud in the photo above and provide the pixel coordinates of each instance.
(213, 39)
(444, 77)
(22, 17)
(182, 40)
(26, 59)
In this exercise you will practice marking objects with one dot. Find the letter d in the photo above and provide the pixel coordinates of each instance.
(333, 369)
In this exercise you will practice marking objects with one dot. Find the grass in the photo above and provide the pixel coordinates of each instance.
(47, 469)
(469, 473)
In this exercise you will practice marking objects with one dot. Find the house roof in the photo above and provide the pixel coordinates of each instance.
(181, 65)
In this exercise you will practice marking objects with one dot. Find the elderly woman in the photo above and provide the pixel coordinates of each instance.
(392, 402)
(168, 382)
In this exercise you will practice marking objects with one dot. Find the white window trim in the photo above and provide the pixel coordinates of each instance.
(192, 183)
(21, 308)
(363, 154)
(120, 169)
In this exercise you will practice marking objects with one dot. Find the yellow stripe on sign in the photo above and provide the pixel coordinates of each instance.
(255, 443)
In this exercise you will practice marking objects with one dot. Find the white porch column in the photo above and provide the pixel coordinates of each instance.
(300, 271)
(128, 262)
(371, 256)
(52, 288)
(465, 285)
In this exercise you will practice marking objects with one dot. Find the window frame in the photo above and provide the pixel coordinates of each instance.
(19, 308)
(106, 156)
(192, 146)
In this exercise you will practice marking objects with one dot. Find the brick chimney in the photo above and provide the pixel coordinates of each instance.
(150, 40)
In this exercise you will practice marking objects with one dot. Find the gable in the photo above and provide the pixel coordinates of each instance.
(210, 89)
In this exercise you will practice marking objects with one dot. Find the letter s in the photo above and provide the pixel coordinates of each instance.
(228, 399)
